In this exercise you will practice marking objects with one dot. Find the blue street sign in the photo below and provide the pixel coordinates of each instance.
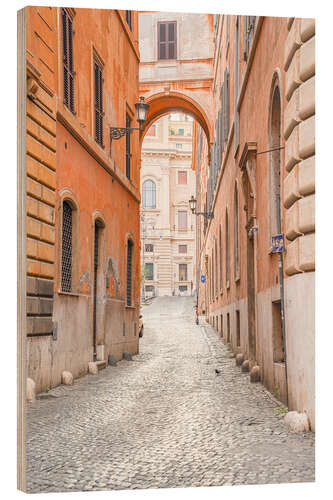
(203, 278)
(277, 243)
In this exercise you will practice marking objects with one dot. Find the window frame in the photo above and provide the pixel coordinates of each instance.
(129, 275)
(144, 195)
(68, 60)
(167, 42)
(98, 101)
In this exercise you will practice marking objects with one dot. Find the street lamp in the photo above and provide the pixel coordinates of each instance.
(141, 115)
(193, 204)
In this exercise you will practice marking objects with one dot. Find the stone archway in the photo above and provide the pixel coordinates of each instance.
(165, 102)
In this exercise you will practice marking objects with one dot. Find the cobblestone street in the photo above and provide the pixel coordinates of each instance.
(165, 419)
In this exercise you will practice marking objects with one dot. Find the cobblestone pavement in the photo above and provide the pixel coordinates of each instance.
(165, 419)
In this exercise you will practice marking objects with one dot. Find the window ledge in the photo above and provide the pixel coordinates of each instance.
(71, 294)
(130, 307)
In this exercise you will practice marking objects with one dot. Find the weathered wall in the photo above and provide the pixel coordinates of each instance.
(94, 179)
(41, 178)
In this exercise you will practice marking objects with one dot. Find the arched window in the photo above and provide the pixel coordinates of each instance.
(67, 248)
(275, 162)
(236, 233)
(149, 194)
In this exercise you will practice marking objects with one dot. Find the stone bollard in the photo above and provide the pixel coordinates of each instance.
(239, 359)
(112, 360)
(92, 368)
(67, 378)
(297, 422)
(31, 390)
(127, 356)
(255, 374)
(245, 365)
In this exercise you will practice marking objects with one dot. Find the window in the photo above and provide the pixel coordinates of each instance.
(149, 271)
(221, 325)
(178, 145)
(68, 66)
(167, 40)
(128, 147)
(149, 194)
(182, 220)
(151, 131)
(149, 247)
(182, 177)
(216, 270)
(182, 272)
(221, 259)
(183, 288)
(238, 328)
(275, 163)
(98, 81)
(129, 18)
(182, 248)
(129, 272)
(149, 288)
(228, 327)
(67, 247)
(227, 248)
(236, 132)
(248, 30)
(180, 131)
(236, 233)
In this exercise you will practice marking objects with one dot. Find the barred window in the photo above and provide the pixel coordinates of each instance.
(129, 272)
(149, 271)
(67, 247)
(68, 65)
(149, 247)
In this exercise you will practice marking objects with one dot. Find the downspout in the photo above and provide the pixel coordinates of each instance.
(283, 323)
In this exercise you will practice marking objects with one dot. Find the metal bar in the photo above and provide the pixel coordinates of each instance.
(278, 214)
(269, 150)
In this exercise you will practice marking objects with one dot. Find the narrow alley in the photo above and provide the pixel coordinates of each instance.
(165, 419)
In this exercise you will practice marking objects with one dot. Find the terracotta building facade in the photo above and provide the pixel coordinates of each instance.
(83, 190)
(167, 224)
(258, 181)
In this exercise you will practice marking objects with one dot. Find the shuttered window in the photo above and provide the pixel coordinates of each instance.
(167, 40)
(221, 260)
(149, 271)
(128, 147)
(149, 194)
(67, 247)
(236, 233)
(98, 82)
(68, 65)
(227, 247)
(129, 272)
(129, 18)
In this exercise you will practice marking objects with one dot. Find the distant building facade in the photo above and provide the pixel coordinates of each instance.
(167, 225)
(83, 245)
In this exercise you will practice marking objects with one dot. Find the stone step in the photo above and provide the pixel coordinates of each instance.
(101, 365)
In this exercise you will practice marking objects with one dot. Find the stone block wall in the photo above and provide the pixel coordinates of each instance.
(299, 133)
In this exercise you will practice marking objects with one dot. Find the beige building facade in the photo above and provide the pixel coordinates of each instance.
(167, 225)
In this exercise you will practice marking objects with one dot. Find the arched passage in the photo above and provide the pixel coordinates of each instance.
(163, 103)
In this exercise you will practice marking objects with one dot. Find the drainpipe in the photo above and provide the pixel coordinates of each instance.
(283, 324)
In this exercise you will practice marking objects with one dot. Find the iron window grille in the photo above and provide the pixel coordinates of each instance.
(99, 114)
(149, 248)
(149, 194)
(67, 247)
(129, 273)
(68, 64)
